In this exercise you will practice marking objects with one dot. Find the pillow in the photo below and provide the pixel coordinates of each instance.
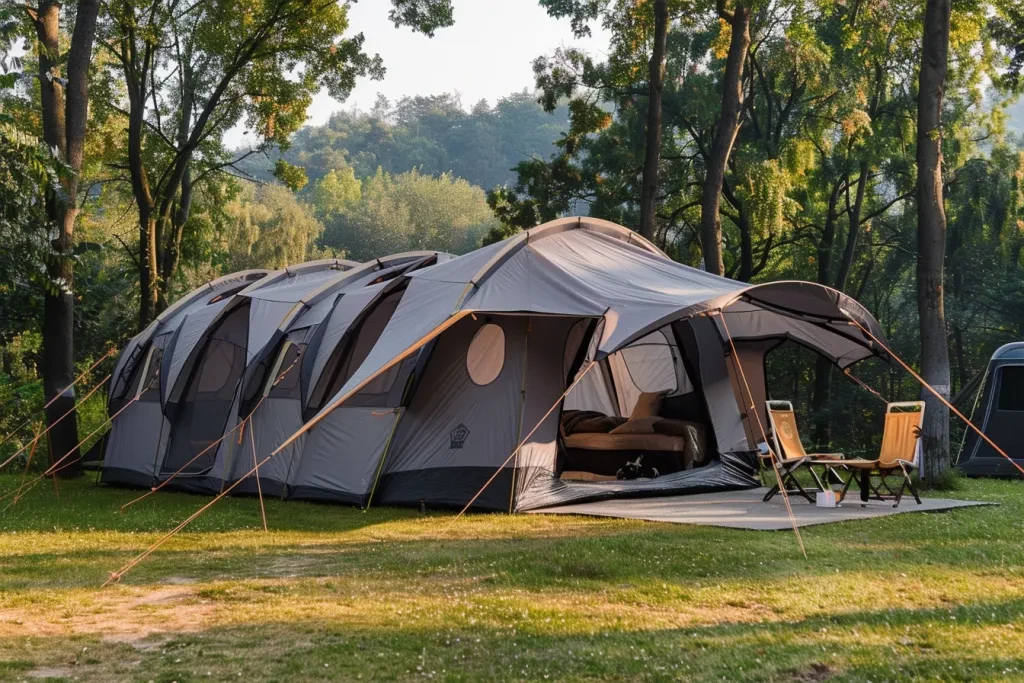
(647, 405)
(644, 425)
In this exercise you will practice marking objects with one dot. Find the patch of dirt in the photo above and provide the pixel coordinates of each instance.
(152, 641)
(178, 580)
(118, 614)
(49, 672)
(814, 673)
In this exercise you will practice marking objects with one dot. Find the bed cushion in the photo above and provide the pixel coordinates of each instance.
(588, 422)
(643, 425)
(626, 442)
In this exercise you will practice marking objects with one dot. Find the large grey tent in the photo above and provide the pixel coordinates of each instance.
(480, 350)
(999, 407)
(195, 355)
(312, 348)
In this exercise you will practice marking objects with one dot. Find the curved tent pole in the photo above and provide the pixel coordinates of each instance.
(941, 398)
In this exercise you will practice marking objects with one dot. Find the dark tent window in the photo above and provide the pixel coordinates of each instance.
(1011, 388)
(287, 374)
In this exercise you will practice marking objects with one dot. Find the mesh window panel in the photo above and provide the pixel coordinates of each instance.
(1011, 388)
(204, 412)
(151, 382)
(288, 384)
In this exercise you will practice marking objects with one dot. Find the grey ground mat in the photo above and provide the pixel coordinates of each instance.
(744, 510)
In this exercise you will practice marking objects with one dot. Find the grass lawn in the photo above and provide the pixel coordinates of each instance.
(337, 593)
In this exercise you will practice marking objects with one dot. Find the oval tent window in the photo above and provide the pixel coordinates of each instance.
(486, 355)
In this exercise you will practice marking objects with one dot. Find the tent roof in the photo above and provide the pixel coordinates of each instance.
(1011, 351)
(588, 267)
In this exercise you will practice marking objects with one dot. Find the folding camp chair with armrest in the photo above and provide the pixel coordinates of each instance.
(899, 454)
(789, 451)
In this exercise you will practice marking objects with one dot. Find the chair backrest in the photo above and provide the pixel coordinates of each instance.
(784, 432)
(902, 436)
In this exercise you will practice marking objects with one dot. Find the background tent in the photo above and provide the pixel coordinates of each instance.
(279, 380)
(494, 338)
(139, 433)
(999, 413)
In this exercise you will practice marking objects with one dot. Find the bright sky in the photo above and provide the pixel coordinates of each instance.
(487, 54)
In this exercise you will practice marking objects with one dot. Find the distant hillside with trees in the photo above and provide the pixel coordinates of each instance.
(434, 134)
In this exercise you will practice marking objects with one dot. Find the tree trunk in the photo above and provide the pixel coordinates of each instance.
(652, 151)
(64, 116)
(822, 366)
(850, 250)
(725, 136)
(931, 236)
(149, 271)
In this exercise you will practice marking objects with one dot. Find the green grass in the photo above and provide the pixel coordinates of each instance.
(340, 594)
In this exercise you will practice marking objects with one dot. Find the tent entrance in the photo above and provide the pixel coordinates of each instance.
(200, 417)
(636, 414)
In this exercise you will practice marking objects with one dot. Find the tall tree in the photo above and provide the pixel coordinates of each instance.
(639, 37)
(652, 141)
(738, 21)
(931, 234)
(64, 102)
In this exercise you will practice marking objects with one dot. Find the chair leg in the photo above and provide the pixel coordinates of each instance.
(910, 484)
(800, 489)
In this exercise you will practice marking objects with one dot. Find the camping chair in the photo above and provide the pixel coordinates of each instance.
(899, 455)
(789, 451)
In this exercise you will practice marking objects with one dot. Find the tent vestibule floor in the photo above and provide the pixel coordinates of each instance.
(745, 510)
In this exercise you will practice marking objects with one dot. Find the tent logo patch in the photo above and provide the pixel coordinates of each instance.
(459, 436)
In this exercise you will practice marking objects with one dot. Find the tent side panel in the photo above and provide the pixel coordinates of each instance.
(341, 455)
(273, 422)
(134, 444)
(456, 432)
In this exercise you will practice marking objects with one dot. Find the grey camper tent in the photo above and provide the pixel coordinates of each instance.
(194, 364)
(480, 351)
(999, 407)
(307, 351)
(138, 436)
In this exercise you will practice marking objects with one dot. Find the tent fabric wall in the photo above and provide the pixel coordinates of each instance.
(339, 323)
(455, 429)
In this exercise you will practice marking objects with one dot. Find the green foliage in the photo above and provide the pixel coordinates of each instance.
(404, 212)
(293, 177)
(434, 134)
(265, 226)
